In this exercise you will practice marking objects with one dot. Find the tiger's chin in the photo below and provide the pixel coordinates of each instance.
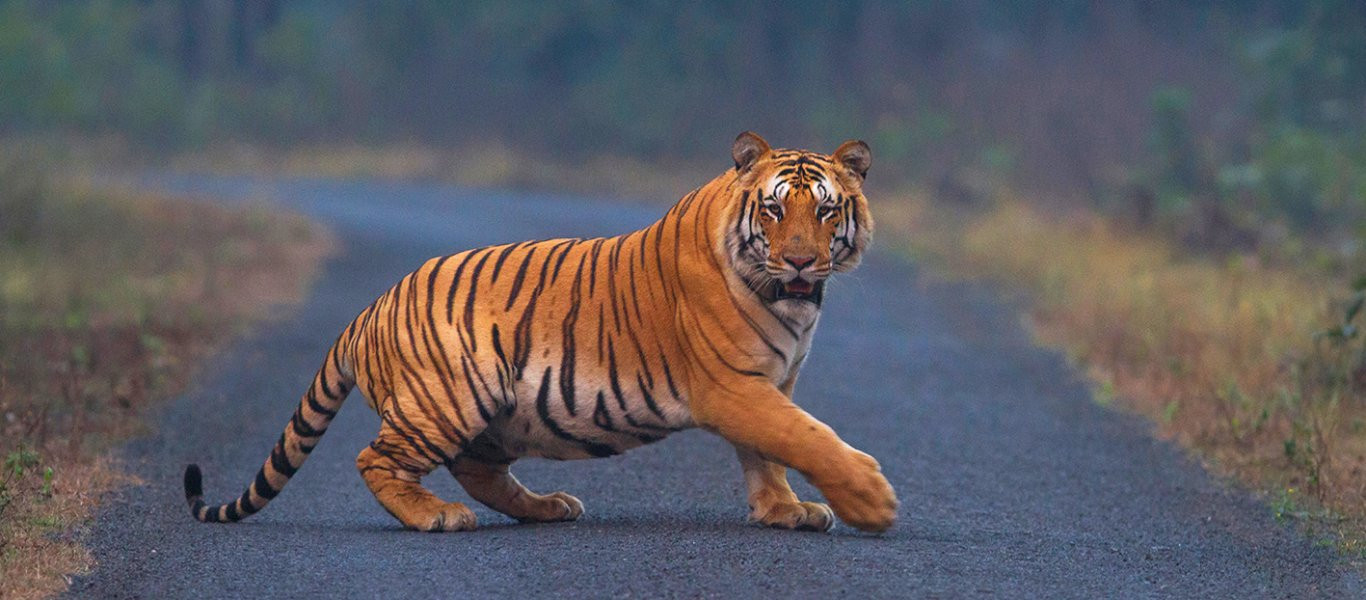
(797, 300)
(796, 310)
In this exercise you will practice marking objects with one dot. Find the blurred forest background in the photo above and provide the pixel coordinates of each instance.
(1231, 121)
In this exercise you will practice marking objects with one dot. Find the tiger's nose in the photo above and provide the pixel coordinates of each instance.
(800, 262)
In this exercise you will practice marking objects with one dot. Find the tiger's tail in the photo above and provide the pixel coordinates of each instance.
(316, 410)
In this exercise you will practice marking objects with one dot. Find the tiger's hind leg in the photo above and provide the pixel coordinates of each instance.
(494, 485)
(393, 467)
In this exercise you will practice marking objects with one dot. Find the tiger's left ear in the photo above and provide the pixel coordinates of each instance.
(748, 147)
(855, 156)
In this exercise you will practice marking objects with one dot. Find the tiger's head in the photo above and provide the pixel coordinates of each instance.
(799, 216)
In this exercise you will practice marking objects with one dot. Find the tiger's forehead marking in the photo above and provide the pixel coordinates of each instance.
(799, 168)
(821, 191)
(800, 165)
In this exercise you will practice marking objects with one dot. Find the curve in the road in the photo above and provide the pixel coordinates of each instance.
(1012, 482)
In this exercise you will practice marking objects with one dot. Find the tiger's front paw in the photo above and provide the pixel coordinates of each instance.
(802, 516)
(553, 507)
(860, 495)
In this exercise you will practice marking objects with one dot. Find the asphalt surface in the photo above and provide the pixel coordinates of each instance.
(1012, 481)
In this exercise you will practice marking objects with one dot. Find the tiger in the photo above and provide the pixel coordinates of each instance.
(584, 348)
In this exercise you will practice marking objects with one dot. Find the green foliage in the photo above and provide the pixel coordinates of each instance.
(109, 66)
(1342, 347)
(1104, 393)
(1299, 161)
(1285, 506)
(20, 460)
(16, 463)
(1173, 144)
(654, 79)
(1308, 176)
(1312, 71)
(48, 475)
(1333, 373)
(1170, 410)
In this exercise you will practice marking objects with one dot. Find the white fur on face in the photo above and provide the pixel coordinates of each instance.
(820, 191)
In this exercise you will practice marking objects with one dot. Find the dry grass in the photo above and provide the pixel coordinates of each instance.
(107, 301)
(1220, 353)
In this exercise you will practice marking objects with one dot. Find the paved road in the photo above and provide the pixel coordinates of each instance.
(1012, 482)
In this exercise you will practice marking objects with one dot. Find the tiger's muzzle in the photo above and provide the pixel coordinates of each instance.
(799, 277)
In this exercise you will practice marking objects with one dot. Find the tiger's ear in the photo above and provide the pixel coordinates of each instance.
(748, 148)
(855, 156)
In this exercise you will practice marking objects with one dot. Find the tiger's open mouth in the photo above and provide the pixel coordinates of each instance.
(801, 289)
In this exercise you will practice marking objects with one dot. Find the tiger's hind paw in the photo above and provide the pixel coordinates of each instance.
(452, 516)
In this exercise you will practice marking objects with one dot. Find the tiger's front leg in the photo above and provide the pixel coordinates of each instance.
(758, 418)
(771, 501)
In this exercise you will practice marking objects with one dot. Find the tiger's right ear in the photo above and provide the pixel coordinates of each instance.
(855, 156)
(748, 148)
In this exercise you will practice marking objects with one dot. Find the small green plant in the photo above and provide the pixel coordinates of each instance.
(1332, 376)
(49, 522)
(1169, 412)
(1303, 449)
(1104, 393)
(1347, 329)
(1244, 417)
(1340, 360)
(1285, 506)
(17, 462)
(48, 475)
(20, 460)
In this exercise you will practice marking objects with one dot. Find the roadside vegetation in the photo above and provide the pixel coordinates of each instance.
(1256, 365)
(108, 302)
(1217, 285)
